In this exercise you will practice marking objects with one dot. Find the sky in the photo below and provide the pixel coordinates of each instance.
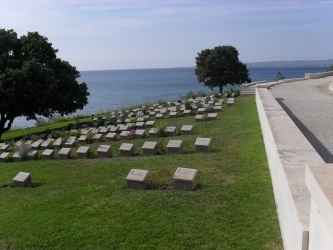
(135, 34)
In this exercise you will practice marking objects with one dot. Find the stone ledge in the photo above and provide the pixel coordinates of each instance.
(287, 151)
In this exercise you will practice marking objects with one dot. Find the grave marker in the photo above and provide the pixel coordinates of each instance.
(136, 179)
(203, 145)
(149, 148)
(175, 147)
(126, 149)
(104, 151)
(22, 180)
(185, 179)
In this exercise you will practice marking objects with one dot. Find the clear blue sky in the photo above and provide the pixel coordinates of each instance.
(98, 35)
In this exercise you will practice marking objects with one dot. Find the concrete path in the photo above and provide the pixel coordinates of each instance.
(309, 104)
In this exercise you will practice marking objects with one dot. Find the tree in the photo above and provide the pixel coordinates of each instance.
(330, 68)
(33, 81)
(220, 66)
(279, 76)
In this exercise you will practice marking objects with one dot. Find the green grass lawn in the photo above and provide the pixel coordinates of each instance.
(84, 204)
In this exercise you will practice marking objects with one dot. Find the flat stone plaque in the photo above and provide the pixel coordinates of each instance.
(175, 147)
(140, 125)
(103, 131)
(172, 114)
(48, 154)
(171, 131)
(199, 118)
(64, 153)
(97, 138)
(152, 133)
(3, 156)
(82, 151)
(126, 149)
(45, 144)
(212, 116)
(32, 155)
(104, 151)
(84, 131)
(111, 137)
(4, 148)
(136, 179)
(150, 124)
(16, 157)
(218, 103)
(185, 179)
(149, 148)
(22, 180)
(139, 134)
(201, 111)
(152, 113)
(82, 138)
(186, 130)
(70, 143)
(123, 135)
(140, 119)
(187, 112)
(123, 128)
(159, 116)
(36, 144)
(203, 145)
(57, 143)
(230, 101)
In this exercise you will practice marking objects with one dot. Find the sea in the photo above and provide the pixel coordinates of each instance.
(115, 89)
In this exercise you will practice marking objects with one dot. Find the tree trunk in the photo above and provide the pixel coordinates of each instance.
(221, 87)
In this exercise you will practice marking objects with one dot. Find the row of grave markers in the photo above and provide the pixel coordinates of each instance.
(184, 179)
(149, 148)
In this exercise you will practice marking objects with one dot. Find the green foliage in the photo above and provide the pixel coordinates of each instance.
(237, 92)
(279, 76)
(34, 82)
(83, 203)
(89, 137)
(160, 129)
(209, 109)
(160, 179)
(220, 66)
(330, 68)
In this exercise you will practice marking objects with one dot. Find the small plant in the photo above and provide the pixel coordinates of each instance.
(134, 120)
(162, 149)
(130, 134)
(237, 92)
(209, 109)
(205, 117)
(89, 137)
(188, 105)
(23, 150)
(162, 179)
(160, 129)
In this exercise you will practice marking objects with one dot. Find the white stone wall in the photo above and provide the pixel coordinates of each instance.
(319, 180)
(287, 151)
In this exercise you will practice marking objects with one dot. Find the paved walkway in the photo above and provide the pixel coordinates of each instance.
(309, 104)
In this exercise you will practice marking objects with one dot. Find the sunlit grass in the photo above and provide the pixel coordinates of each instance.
(84, 204)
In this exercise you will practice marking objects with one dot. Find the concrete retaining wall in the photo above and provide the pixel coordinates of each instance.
(318, 75)
(319, 180)
(287, 151)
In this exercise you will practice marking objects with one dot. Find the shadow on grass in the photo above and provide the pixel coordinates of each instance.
(32, 185)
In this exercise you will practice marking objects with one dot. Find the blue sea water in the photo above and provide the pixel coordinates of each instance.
(114, 89)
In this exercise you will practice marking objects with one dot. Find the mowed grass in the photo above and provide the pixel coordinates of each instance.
(84, 203)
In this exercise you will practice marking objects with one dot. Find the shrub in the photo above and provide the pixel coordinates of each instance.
(237, 92)
(89, 138)
(161, 179)
(23, 150)
(209, 109)
(160, 129)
